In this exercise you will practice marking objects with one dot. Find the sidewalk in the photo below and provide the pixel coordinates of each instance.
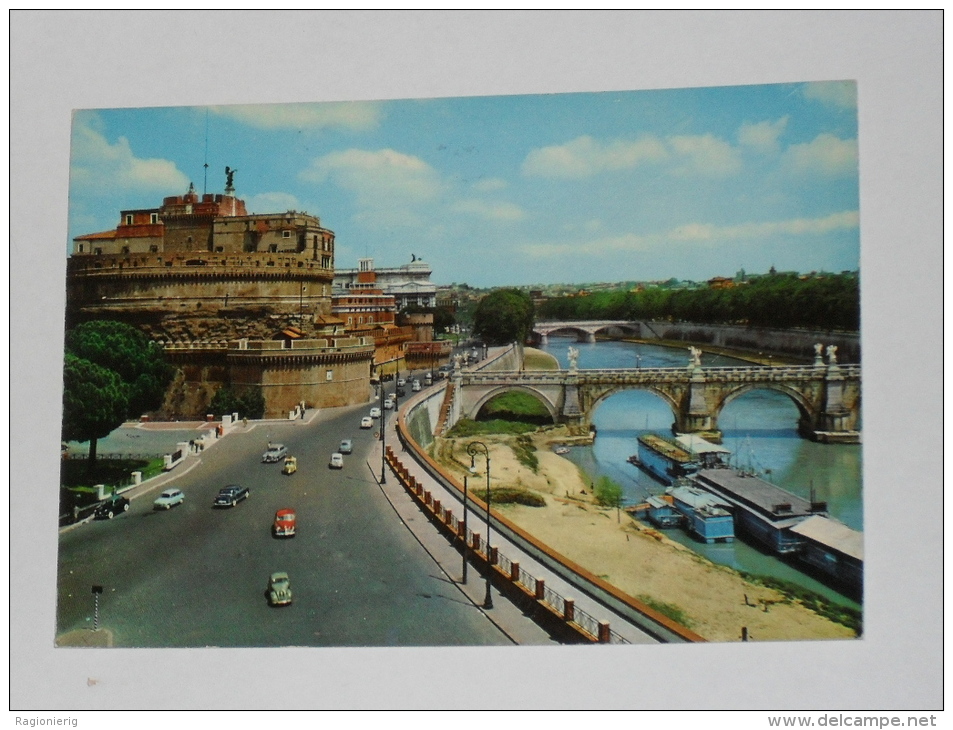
(451, 561)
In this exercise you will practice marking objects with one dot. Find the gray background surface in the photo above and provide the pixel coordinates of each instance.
(66, 60)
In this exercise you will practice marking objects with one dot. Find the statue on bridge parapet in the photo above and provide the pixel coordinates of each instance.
(832, 354)
(573, 358)
(695, 360)
(818, 354)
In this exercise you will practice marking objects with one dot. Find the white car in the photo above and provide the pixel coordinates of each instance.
(337, 461)
(168, 499)
(274, 454)
(367, 422)
(389, 404)
(415, 386)
(401, 382)
(375, 412)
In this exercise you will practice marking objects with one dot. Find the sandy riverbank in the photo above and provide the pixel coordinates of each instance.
(715, 601)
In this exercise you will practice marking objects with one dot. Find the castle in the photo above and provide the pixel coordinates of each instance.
(236, 299)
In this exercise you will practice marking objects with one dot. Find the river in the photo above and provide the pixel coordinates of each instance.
(760, 428)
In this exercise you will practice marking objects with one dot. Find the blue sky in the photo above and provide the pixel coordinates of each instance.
(513, 190)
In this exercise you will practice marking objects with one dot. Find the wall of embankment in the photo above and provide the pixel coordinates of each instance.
(796, 343)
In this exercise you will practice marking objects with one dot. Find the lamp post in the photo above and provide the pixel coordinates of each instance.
(466, 543)
(383, 448)
(474, 448)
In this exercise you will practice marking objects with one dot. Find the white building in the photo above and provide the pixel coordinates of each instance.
(409, 284)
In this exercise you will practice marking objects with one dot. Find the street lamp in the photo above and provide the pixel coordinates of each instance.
(383, 448)
(474, 448)
(466, 543)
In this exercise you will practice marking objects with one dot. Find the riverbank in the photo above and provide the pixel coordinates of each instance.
(714, 601)
(746, 355)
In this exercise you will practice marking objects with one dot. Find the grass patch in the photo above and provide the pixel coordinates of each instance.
(667, 609)
(511, 495)
(539, 360)
(111, 472)
(525, 452)
(843, 615)
(608, 493)
(516, 406)
(465, 427)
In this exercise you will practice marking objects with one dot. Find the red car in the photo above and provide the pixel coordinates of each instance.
(284, 525)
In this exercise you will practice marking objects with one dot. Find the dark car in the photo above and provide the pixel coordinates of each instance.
(401, 392)
(230, 496)
(111, 507)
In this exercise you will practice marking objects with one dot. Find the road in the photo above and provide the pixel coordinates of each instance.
(195, 576)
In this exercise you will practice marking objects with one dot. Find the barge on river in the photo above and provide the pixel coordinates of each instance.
(671, 459)
(762, 510)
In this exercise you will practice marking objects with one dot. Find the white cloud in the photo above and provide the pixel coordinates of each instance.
(273, 202)
(357, 115)
(824, 155)
(98, 166)
(490, 184)
(698, 234)
(762, 136)
(376, 177)
(839, 94)
(490, 210)
(585, 157)
(704, 155)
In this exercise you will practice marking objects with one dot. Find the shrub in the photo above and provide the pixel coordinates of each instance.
(608, 493)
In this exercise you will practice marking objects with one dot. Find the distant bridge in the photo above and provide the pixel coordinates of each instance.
(586, 331)
(827, 396)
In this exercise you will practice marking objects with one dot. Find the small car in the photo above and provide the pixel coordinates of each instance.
(367, 422)
(389, 404)
(274, 454)
(291, 465)
(428, 379)
(285, 523)
(279, 589)
(401, 382)
(113, 506)
(415, 386)
(337, 461)
(169, 499)
(401, 392)
(230, 496)
(346, 447)
(375, 412)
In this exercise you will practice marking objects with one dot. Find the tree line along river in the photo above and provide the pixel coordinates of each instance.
(760, 429)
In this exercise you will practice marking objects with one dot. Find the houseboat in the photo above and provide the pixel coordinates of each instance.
(834, 550)
(663, 459)
(763, 511)
(706, 516)
(704, 452)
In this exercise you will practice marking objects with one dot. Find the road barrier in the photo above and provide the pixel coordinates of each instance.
(554, 611)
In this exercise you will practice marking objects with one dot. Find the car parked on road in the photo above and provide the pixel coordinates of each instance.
(279, 589)
(346, 447)
(285, 523)
(274, 454)
(230, 496)
(337, 461)
(375, 412)
(169, 499)
(113, 506)
(367, 422)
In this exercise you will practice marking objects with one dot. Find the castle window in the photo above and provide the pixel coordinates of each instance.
(154, 249)
(286, 234)
(329, 375)
(153, 217)
(129, 219)
(273, 248)
(125, 249)
(98, 251)
(81, 248)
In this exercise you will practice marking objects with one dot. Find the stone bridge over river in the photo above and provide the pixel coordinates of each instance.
(827, 396)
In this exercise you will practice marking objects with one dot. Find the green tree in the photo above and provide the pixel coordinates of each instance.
(128, 353)
(248, 404)
(95, 401)
(504, 316)
(608, 493)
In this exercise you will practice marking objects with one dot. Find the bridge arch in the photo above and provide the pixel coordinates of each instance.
(804, 406)
(665, 396)
(581, 332)
(529, 390)
(624, 327)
